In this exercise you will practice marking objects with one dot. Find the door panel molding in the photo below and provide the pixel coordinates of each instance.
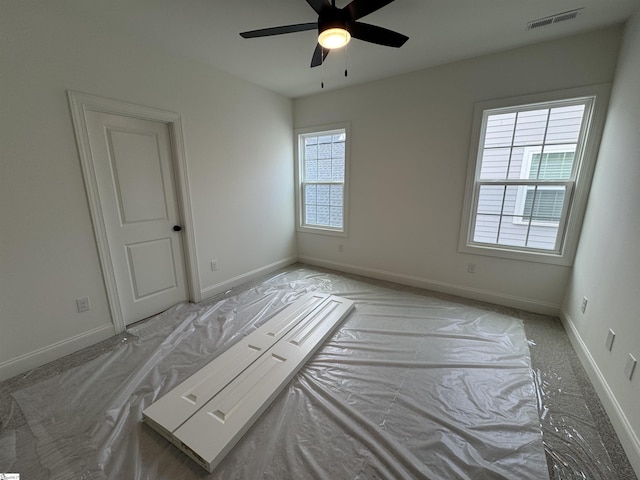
(80, 104)
(162, 279)
(208, 413)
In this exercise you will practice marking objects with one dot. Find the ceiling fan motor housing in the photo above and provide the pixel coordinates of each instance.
(333, 18)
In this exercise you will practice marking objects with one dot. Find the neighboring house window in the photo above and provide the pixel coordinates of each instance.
(543, 205)
(529, 175)
(321, 171)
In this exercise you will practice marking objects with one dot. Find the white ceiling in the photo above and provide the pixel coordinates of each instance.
(439, 31)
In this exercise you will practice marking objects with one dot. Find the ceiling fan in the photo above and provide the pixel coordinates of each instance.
(336, 26)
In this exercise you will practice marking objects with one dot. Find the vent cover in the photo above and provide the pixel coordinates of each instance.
(558, 17)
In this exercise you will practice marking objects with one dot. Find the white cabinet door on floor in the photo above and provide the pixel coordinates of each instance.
(207, 414)
(175, 408)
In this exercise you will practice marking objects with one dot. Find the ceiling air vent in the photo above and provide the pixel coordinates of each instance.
(558, 17)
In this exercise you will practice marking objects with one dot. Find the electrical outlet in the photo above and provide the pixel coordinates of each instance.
(471, 267)
(630, 366)
(583, 307)
(83, 304)
(214, 265)
(610, 338)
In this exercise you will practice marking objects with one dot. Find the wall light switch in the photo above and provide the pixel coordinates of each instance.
(610, 338)
(630, 366)
(471, 267)
(583, 307)
(214, 265)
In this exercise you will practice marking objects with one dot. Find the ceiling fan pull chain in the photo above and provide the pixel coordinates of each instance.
(345, 59)
(322, 68)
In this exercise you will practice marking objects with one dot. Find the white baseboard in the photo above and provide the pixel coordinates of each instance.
(245, 277)
(443, 287)
(36, 358)
(628, 438)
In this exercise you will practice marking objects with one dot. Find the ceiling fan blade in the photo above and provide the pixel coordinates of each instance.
(361, 8)
(319, 5)
(319, 54)
(375, 34)
(267, 32)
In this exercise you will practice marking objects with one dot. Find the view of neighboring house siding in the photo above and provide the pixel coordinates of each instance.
(534, 149)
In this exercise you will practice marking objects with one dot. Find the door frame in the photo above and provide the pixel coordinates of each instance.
(79, 104)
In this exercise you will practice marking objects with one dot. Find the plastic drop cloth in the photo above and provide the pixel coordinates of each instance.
(571, 437)
(407, 387)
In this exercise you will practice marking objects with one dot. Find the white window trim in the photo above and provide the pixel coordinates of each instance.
(299, 168)
(581, 178)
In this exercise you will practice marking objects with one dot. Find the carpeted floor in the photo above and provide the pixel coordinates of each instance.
(579, 440)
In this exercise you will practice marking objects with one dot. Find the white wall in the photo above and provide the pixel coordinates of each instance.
(607, 266)
(410, 144)
(239, 155)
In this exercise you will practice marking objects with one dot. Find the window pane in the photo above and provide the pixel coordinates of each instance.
(337, 195)
(548, 205)
(499, 132)
(495, 162)
(323, 216)
(310, 194)
(310, 217)
(310, 151)
(310, 170)
(530, 127)
(324, 170)
(511, 233)
(564, 124)
(509, 206)
(324, 195)
(542, 237)
(337, 170)
(517, 160)
(324, 146)
(490, 199)
(337, 149)
(486, 229)
(336, 217)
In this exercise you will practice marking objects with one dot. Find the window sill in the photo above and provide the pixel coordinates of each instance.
(537, 256)
(321, 231)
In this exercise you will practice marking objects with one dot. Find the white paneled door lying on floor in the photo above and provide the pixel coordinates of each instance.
(207, 414)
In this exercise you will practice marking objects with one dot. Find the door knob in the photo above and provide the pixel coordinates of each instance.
(177, 228)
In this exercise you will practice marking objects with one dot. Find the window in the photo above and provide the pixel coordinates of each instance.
(321, 171)
(529, 172)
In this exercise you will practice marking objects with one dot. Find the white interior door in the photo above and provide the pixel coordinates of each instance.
(133, 164)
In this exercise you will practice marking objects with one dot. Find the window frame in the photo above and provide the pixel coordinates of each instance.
(577, 187)
(299, 135)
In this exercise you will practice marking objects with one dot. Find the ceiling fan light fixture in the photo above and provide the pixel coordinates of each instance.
(332, 38)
